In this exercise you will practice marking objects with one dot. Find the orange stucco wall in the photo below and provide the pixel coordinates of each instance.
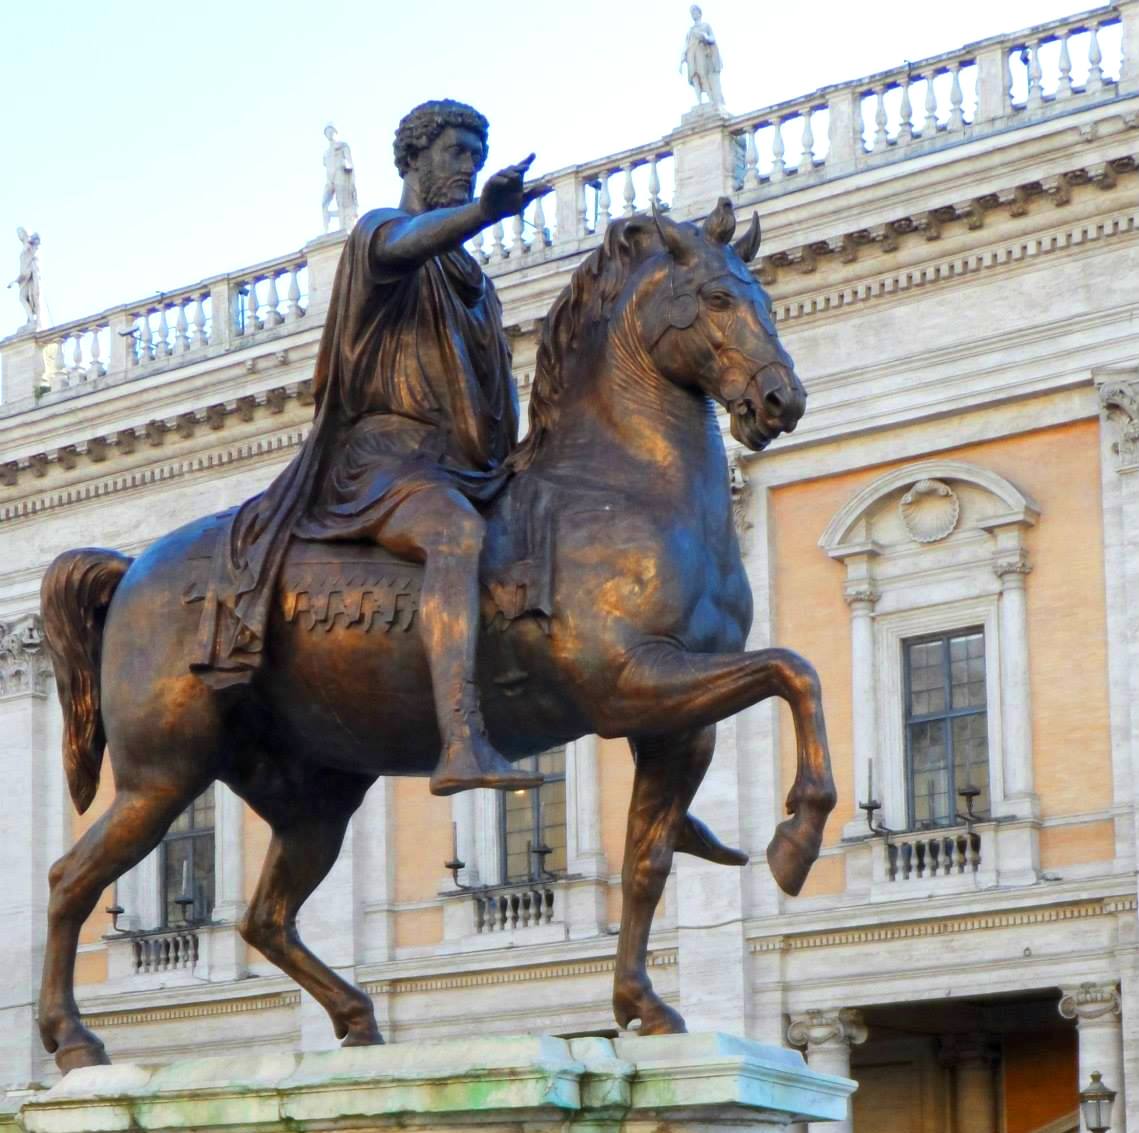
(1073, 845)
(422, 840)
(1039, 1074)
(1059, 468)
(99, 922)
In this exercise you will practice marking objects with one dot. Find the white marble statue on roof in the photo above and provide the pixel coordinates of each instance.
(28, 281)
(339, 182)
(702, 58)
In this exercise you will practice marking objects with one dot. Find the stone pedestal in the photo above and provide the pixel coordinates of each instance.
(698, 1082)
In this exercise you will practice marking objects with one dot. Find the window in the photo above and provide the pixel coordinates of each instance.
(536, 818)
(947, 745)
(188, 864)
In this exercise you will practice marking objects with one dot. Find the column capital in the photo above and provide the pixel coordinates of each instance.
(1119, 401)
(25, 667)
(833, 1028)
(1011, 567)
(860, 596)
(1091, 1001)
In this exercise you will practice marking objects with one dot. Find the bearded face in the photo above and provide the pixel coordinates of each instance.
(446, 169)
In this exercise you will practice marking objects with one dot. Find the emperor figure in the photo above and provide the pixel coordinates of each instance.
(416, 413)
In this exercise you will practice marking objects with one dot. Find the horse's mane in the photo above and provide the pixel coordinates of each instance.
(588, 297)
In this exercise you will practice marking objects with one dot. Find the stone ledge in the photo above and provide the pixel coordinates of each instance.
(710, 1080)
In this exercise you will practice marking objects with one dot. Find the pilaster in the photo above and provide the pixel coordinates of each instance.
(973, 1060)
(34, 826)
(828, 1037)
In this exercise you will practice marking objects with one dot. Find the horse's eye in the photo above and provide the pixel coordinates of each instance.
(719, 300)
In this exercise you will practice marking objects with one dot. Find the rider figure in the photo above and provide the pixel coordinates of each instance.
(416, 414)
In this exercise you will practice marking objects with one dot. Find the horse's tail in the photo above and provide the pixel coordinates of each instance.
(75, 594)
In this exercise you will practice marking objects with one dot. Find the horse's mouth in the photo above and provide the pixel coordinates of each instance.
(752, 427)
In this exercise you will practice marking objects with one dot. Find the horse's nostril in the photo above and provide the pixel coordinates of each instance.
(773, 399)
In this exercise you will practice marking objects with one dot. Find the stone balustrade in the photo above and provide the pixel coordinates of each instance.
(510, 907)
(165, 950)
(933, 854)
(984, 88)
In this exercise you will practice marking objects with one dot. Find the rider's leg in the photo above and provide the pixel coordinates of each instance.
(440, 528)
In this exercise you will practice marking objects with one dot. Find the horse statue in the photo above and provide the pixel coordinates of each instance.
(634, 627)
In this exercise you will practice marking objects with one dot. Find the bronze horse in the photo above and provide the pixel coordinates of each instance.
(648, 611)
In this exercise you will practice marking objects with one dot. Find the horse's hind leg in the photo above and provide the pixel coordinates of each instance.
(669, 772)
(307, 834)
(135, 823)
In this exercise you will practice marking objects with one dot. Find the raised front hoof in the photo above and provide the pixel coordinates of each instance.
(696, 839)
(792, 852)
(80, 1054)
(467, 768)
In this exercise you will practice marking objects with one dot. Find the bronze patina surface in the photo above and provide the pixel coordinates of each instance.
(613, 598)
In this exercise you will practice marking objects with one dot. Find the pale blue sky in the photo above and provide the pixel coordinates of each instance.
(152, 145)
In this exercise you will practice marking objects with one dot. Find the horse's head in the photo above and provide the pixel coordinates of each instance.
(708, 325)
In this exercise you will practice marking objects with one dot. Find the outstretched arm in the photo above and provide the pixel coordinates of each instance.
(412, 240)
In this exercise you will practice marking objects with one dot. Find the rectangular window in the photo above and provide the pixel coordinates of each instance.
(947, 737)
(536, 819)
(188, 864)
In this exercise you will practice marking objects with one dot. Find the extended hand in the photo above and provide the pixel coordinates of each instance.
(506, 193)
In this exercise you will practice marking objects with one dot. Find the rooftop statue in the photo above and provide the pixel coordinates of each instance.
(326, 633)
(702, 58)
(28, 281)
(339, 183)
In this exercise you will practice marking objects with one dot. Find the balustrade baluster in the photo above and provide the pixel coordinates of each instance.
(497, 247)
(541, 232)
(251, 304)
(603, 203)
(527, 905)
(920, 855)
(654, 181)
(293, 309)
(934, 854)
(77, 371)
(881, 137)
(581, 209)
(929, 126)
(751, 160)
(629, 192)
(478, 248)
(778, 149)
(946, 857)
(905, 114)
(503, 912)
(807, 161)
(907, 860)
(518, 246)
(272, 315)
(162, 338)
(1064, 86)
(181, 330)
(1095, 59)
(961, 847)
(1035, 76)
(956, 99)
(145, 340)
(95, 368)
(549, 901)
(197, 320)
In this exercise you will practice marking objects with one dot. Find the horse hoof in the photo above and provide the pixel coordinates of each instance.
(663, 1020)
(367, 1038)
(791, 858)
(78, 1055)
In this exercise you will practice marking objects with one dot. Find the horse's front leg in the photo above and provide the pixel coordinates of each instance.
(669, 771)
(664, 687)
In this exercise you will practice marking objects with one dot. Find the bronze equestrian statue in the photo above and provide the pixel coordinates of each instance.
(324, 634)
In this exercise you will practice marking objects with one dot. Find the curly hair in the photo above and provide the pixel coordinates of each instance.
(421, 126)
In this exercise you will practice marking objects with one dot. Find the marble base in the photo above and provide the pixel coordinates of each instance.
(699, 1082)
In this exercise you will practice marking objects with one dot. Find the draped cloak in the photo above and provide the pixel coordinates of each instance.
(413, 389)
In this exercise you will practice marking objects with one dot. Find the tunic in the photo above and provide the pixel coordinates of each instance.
(413, 390)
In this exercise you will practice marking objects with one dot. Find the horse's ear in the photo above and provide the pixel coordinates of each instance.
(748, 244)
(672, 237)
(720, 224)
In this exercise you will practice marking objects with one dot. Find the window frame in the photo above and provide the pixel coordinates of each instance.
(192, 836)
(892, 630)
(944, 637)
(535, 822)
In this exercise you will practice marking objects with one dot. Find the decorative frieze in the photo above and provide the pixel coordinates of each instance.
(25, 667)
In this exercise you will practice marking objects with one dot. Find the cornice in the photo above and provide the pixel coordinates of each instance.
(201, 1010)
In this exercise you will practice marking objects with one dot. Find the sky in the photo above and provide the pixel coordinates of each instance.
(153, 145)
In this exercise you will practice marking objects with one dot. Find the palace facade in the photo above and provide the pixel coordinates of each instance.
(951, 536)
